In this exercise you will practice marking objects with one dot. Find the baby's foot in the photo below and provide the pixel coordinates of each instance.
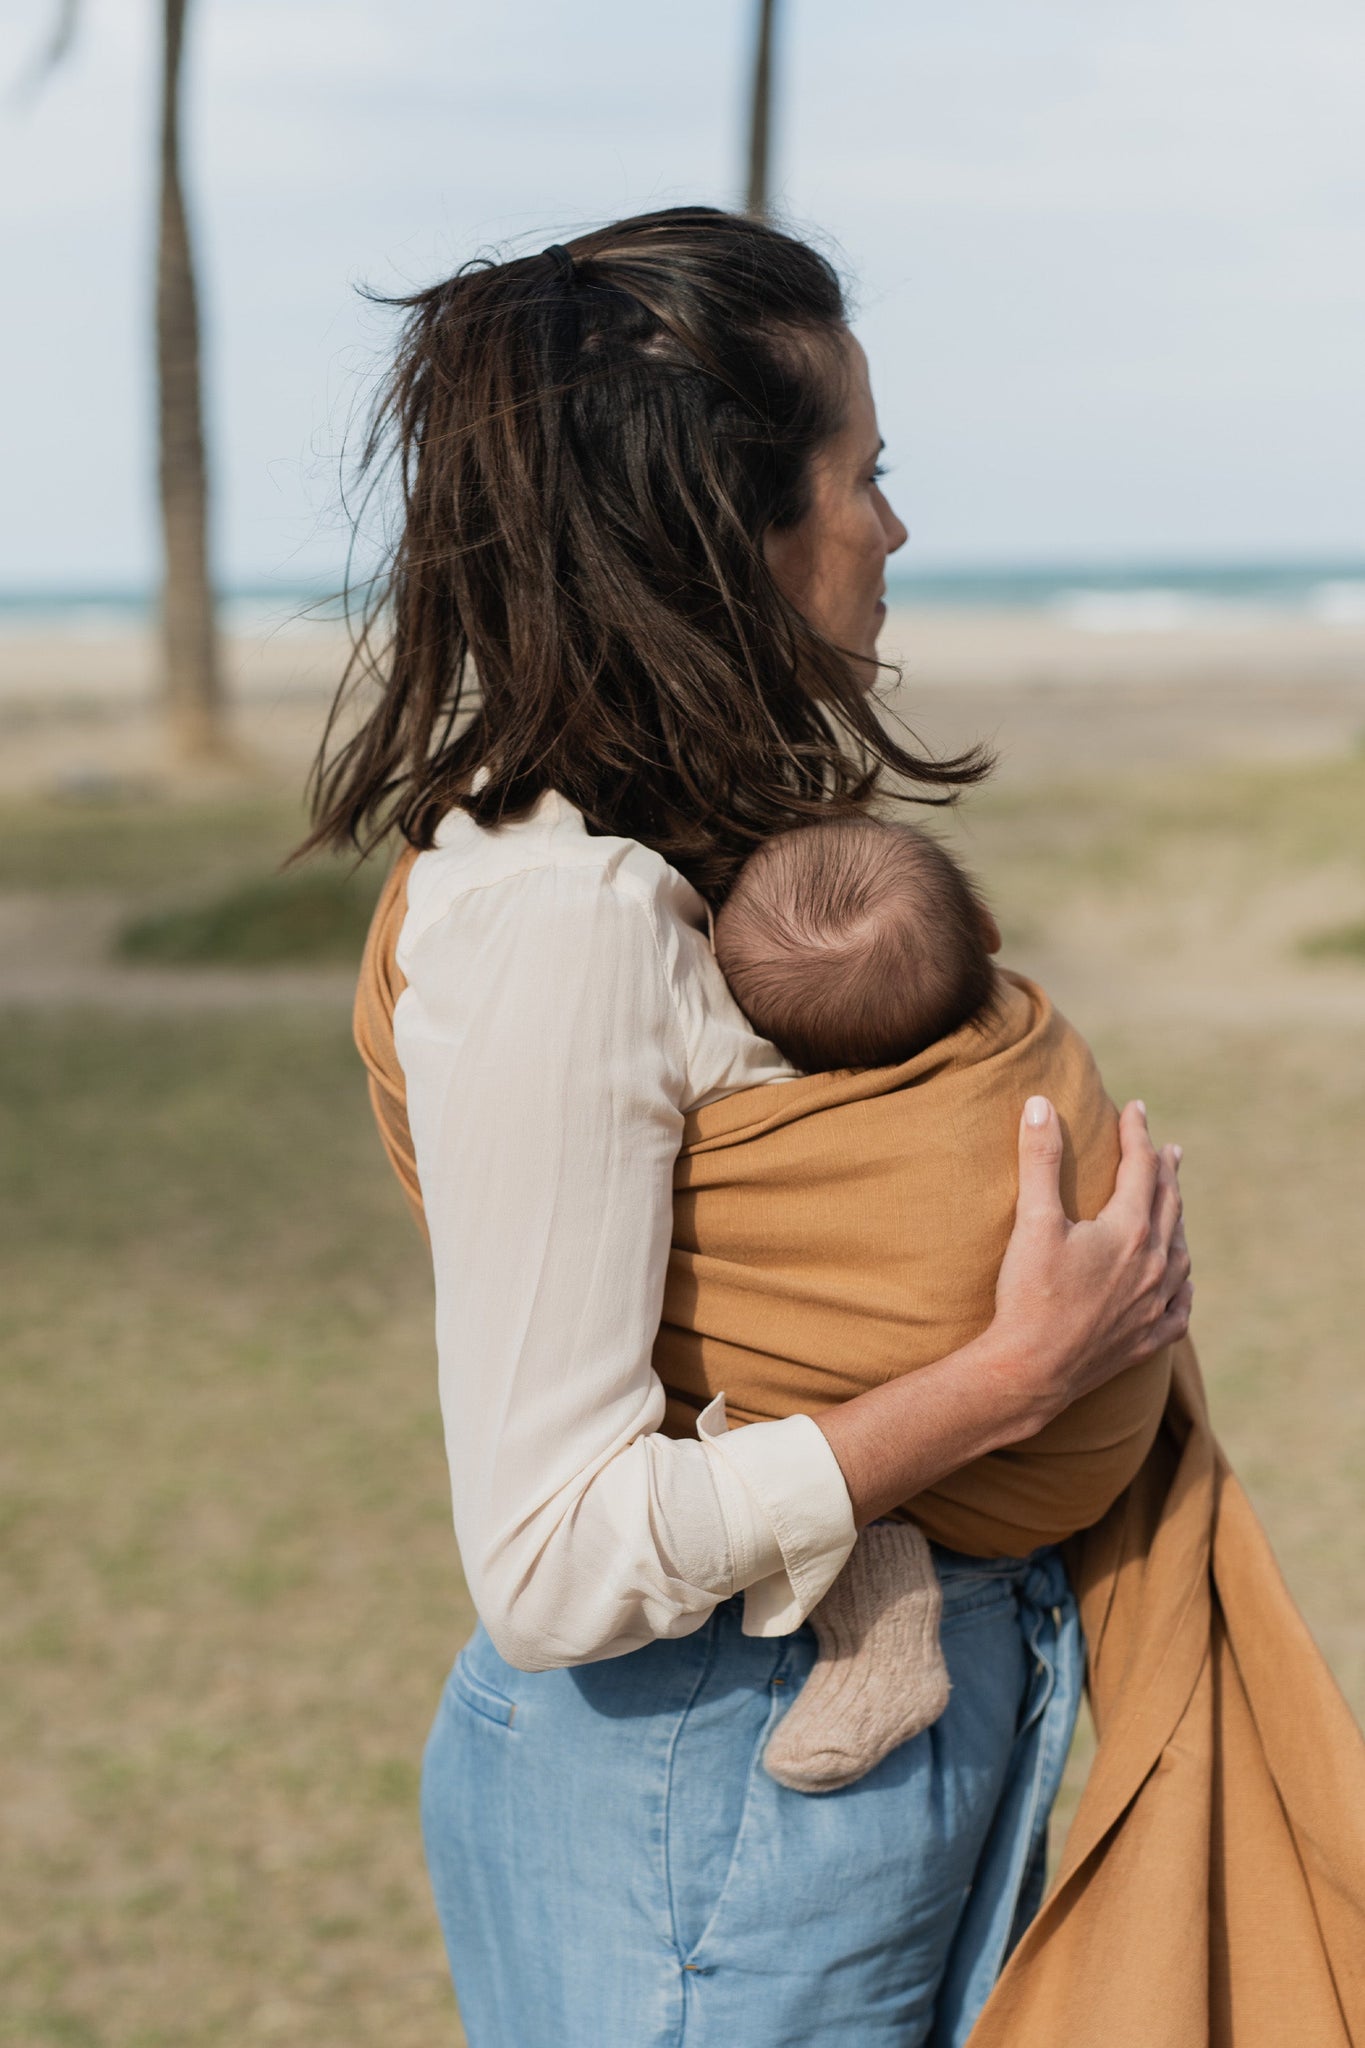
(880, 1676)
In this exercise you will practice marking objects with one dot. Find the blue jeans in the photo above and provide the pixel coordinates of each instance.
(614, 1868)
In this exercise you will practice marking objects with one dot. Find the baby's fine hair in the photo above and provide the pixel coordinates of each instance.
(855, 944)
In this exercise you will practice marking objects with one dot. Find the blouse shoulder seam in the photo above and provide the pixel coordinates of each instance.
(628, 889)
(603, 873)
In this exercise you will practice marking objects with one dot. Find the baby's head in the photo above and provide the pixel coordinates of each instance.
(855, 944)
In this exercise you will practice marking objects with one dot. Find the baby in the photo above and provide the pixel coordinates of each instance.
(858, 944)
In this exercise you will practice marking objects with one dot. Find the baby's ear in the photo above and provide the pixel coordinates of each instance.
(990, 930)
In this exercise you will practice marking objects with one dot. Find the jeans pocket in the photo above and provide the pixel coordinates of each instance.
(715, 1780)
(475, 1693)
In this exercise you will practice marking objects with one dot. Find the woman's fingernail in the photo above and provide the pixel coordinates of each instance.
(1179, 1151)
(1143, 1107)
(1035, 1110)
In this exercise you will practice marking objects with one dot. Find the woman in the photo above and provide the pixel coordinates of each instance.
(641, 503)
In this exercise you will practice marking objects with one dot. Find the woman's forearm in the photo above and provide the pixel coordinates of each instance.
(903, 1437)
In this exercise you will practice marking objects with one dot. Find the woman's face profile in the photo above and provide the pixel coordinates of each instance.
(832, 564)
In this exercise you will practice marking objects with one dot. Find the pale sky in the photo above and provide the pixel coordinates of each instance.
(1109, 260)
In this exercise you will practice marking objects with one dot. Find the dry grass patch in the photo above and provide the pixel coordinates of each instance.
(310, 915)
(136, 845)
(230, 1583)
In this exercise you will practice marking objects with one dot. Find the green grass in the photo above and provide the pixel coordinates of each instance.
(198, 878)
(307, 917)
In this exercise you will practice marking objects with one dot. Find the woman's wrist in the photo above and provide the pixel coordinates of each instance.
(1019, 1395)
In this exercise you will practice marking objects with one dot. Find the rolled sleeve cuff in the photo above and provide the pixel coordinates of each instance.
(787, 1511)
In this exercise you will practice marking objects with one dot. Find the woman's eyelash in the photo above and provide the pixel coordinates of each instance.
(880, 469)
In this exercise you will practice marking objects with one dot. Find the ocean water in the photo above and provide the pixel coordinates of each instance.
(1150, 597)
(1145, 597)
(90, 613)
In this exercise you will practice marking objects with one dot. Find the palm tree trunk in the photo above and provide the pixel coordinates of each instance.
(191, 675)
(760, 111)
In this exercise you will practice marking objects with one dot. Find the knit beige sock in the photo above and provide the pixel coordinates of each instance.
(880, 1676)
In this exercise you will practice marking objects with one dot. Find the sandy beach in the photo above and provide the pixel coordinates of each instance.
(1054, 698)
(1058, 700)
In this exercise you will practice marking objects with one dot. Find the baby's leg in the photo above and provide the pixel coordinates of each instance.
(880, 1677)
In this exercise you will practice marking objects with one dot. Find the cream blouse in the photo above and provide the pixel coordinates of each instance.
(563, 1010)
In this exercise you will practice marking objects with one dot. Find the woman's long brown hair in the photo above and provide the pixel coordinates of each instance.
(591, 444)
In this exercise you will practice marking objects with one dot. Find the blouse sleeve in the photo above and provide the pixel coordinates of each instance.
(546, 1071)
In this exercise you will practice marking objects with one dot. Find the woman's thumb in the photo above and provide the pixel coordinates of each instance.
(1040, 1161)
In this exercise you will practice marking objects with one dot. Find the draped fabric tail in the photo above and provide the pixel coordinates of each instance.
(1212, 1894)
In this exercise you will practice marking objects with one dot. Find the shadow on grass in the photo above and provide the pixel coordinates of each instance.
(1345, 942)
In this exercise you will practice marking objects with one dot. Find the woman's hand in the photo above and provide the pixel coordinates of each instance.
(1077, 1302)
